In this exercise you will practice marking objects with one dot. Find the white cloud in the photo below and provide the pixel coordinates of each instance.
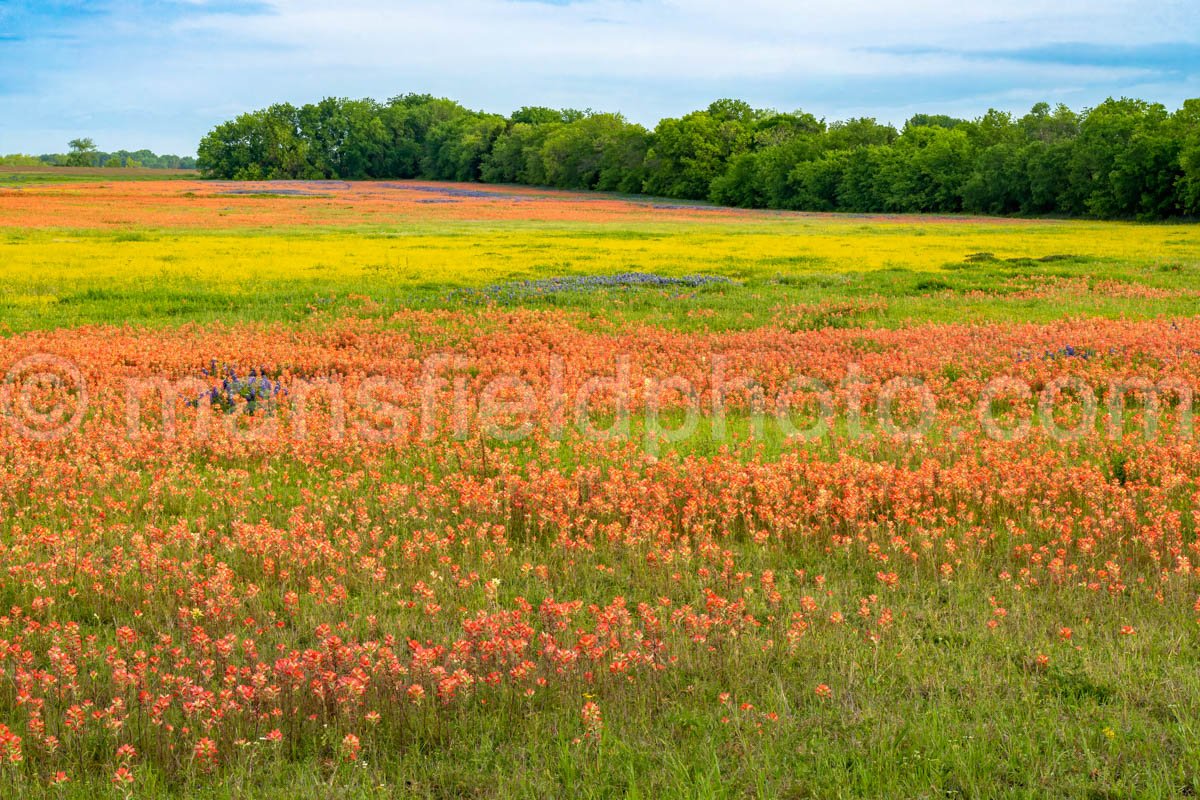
(648, 58)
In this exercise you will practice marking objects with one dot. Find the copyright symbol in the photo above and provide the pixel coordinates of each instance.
(44, 397)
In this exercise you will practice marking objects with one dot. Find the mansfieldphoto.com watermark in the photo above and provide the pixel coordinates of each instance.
(46, 397)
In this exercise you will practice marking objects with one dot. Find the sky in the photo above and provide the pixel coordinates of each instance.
(161, 73)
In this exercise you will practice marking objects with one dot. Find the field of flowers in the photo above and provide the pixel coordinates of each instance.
(617, 502)
(165, 252)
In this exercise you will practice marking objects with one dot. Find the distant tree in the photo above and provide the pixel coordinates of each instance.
(688, 154)
(421, 126)
(862, 186)
(727, 110)
(859, 132)
(775, 129)
(516, 155)
(999, 183)
(799, 139)
(1047, 168)
(815, 183)
(742, 184)
(599, 151)
(540, 115)
(19, 160)
(927, 170)
(455, 149)
(933, 121)
(343, 139)
(1125, 162)
(993, 128)
(1043, 126)
(623, 158)
(83, 153)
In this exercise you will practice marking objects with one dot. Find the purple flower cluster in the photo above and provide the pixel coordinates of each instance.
(255, 388)
(519, 290)
(451, 191)
(1071, 352)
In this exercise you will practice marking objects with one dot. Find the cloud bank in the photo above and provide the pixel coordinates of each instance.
(160, 73)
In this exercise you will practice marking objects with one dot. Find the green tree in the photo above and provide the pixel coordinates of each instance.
(859, 132)
(688, 154)
(516, 155)
(1125, 162)
(1043, 126)
(863, 185)
(927, 170)
(1047, 168)
(456, 148)
(816, 183)
(1187, 129)
(599, 151)
(344, 139)
(540, 115)
(20, 160)
(261, 145)
(1124, 158)
(999, 182)
(933, 121)
(83, 153)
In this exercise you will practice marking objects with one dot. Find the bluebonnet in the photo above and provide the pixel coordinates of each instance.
(453, 191)
(1070, 351)
(256, 388)
(518, 290)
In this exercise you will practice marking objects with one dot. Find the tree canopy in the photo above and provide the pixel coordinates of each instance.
(83, 153)
(1125, 158)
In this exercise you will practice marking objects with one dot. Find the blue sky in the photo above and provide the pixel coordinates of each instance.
(160, 73)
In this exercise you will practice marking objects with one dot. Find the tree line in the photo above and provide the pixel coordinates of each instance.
(83, 153)
(1125, 158)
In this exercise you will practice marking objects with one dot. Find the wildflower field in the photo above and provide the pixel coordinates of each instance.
(318, 489)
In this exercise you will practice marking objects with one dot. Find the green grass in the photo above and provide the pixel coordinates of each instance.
(14, 176)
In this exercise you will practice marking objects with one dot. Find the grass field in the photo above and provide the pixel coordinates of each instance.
(23, 176)
(555, 495)
(174, 251)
